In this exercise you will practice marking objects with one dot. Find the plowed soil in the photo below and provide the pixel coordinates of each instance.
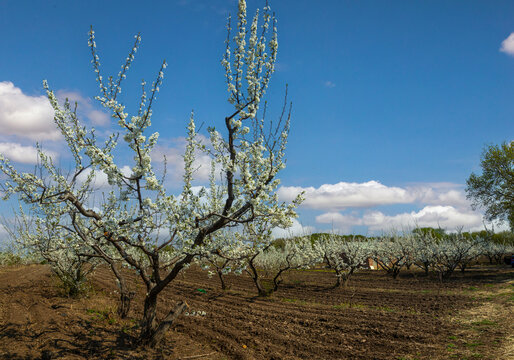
(375, 317)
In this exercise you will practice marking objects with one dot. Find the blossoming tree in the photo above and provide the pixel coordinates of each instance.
(226, 258)
(389, 253)
(137, 223)
(344, 257)
(274, 261)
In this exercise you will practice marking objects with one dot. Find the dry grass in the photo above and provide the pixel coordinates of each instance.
(491, 320)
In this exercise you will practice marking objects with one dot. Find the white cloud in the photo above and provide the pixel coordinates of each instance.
(508, 45)
(343, 195)
(24, 154)
(174, 154)
(100, 180)
(329, 84)
(98, 117)
(343, 223)
(296, 229)
(24, 115)
(85, 107)
(332, 197)
(439, 194)
(446, 217)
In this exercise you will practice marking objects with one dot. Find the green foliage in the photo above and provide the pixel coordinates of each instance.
(503, 237)
(107, 314)
(431, 232)
(317, 236)
(494, 189)
(280, 243)
(73, 284)
(8, 258)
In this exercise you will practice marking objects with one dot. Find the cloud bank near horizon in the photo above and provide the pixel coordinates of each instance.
(345, 195)
(345, 206)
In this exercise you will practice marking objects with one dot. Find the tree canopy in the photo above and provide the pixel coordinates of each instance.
(494, 189)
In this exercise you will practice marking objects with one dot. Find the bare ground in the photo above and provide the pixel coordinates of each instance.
(414, 317)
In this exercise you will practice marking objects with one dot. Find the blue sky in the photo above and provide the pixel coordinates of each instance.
(393, 101)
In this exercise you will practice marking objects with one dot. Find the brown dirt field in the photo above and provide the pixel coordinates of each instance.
(468, 317)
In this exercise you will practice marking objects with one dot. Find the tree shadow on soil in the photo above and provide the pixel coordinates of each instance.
(84, 340)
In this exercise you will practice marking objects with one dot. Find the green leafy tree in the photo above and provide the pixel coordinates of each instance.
(494, 189)
(430, 232)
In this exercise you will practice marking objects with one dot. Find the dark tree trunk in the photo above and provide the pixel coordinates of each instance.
(153, 332)
(256, 279)
(126, 296)
(346, 278)
(277, 280)
(338, 282)
(447, 274)
(263, 292)
(125, 301)
(166, 323)
(342, 279)
(222, 280)
(260, 289)
(396, 272)
(149, 322)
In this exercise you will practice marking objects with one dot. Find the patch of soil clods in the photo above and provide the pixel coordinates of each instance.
(375, 317)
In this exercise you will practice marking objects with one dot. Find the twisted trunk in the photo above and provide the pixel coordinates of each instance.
(152, 332)
(343, 278)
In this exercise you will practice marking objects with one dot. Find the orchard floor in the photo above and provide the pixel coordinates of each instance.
(471, 316)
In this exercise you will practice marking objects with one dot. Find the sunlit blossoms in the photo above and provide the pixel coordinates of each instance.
(137, 222)
(344, 257)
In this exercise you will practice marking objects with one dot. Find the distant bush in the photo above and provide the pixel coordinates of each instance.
(9, 257)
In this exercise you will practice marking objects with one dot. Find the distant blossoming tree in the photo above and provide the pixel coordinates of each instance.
(274, 261)
(137, 223)
(343, 256)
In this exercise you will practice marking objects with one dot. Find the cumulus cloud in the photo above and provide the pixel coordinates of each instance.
(23, 154)
(336, 197)
(100, 180)
(85, 107)
(439, 194)
(329, 84)
(296, 229)
(446, 217)
(24, 115)
(98, 117)
(174, 154)
(343, 195)
(508, 45)
(341, 222)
